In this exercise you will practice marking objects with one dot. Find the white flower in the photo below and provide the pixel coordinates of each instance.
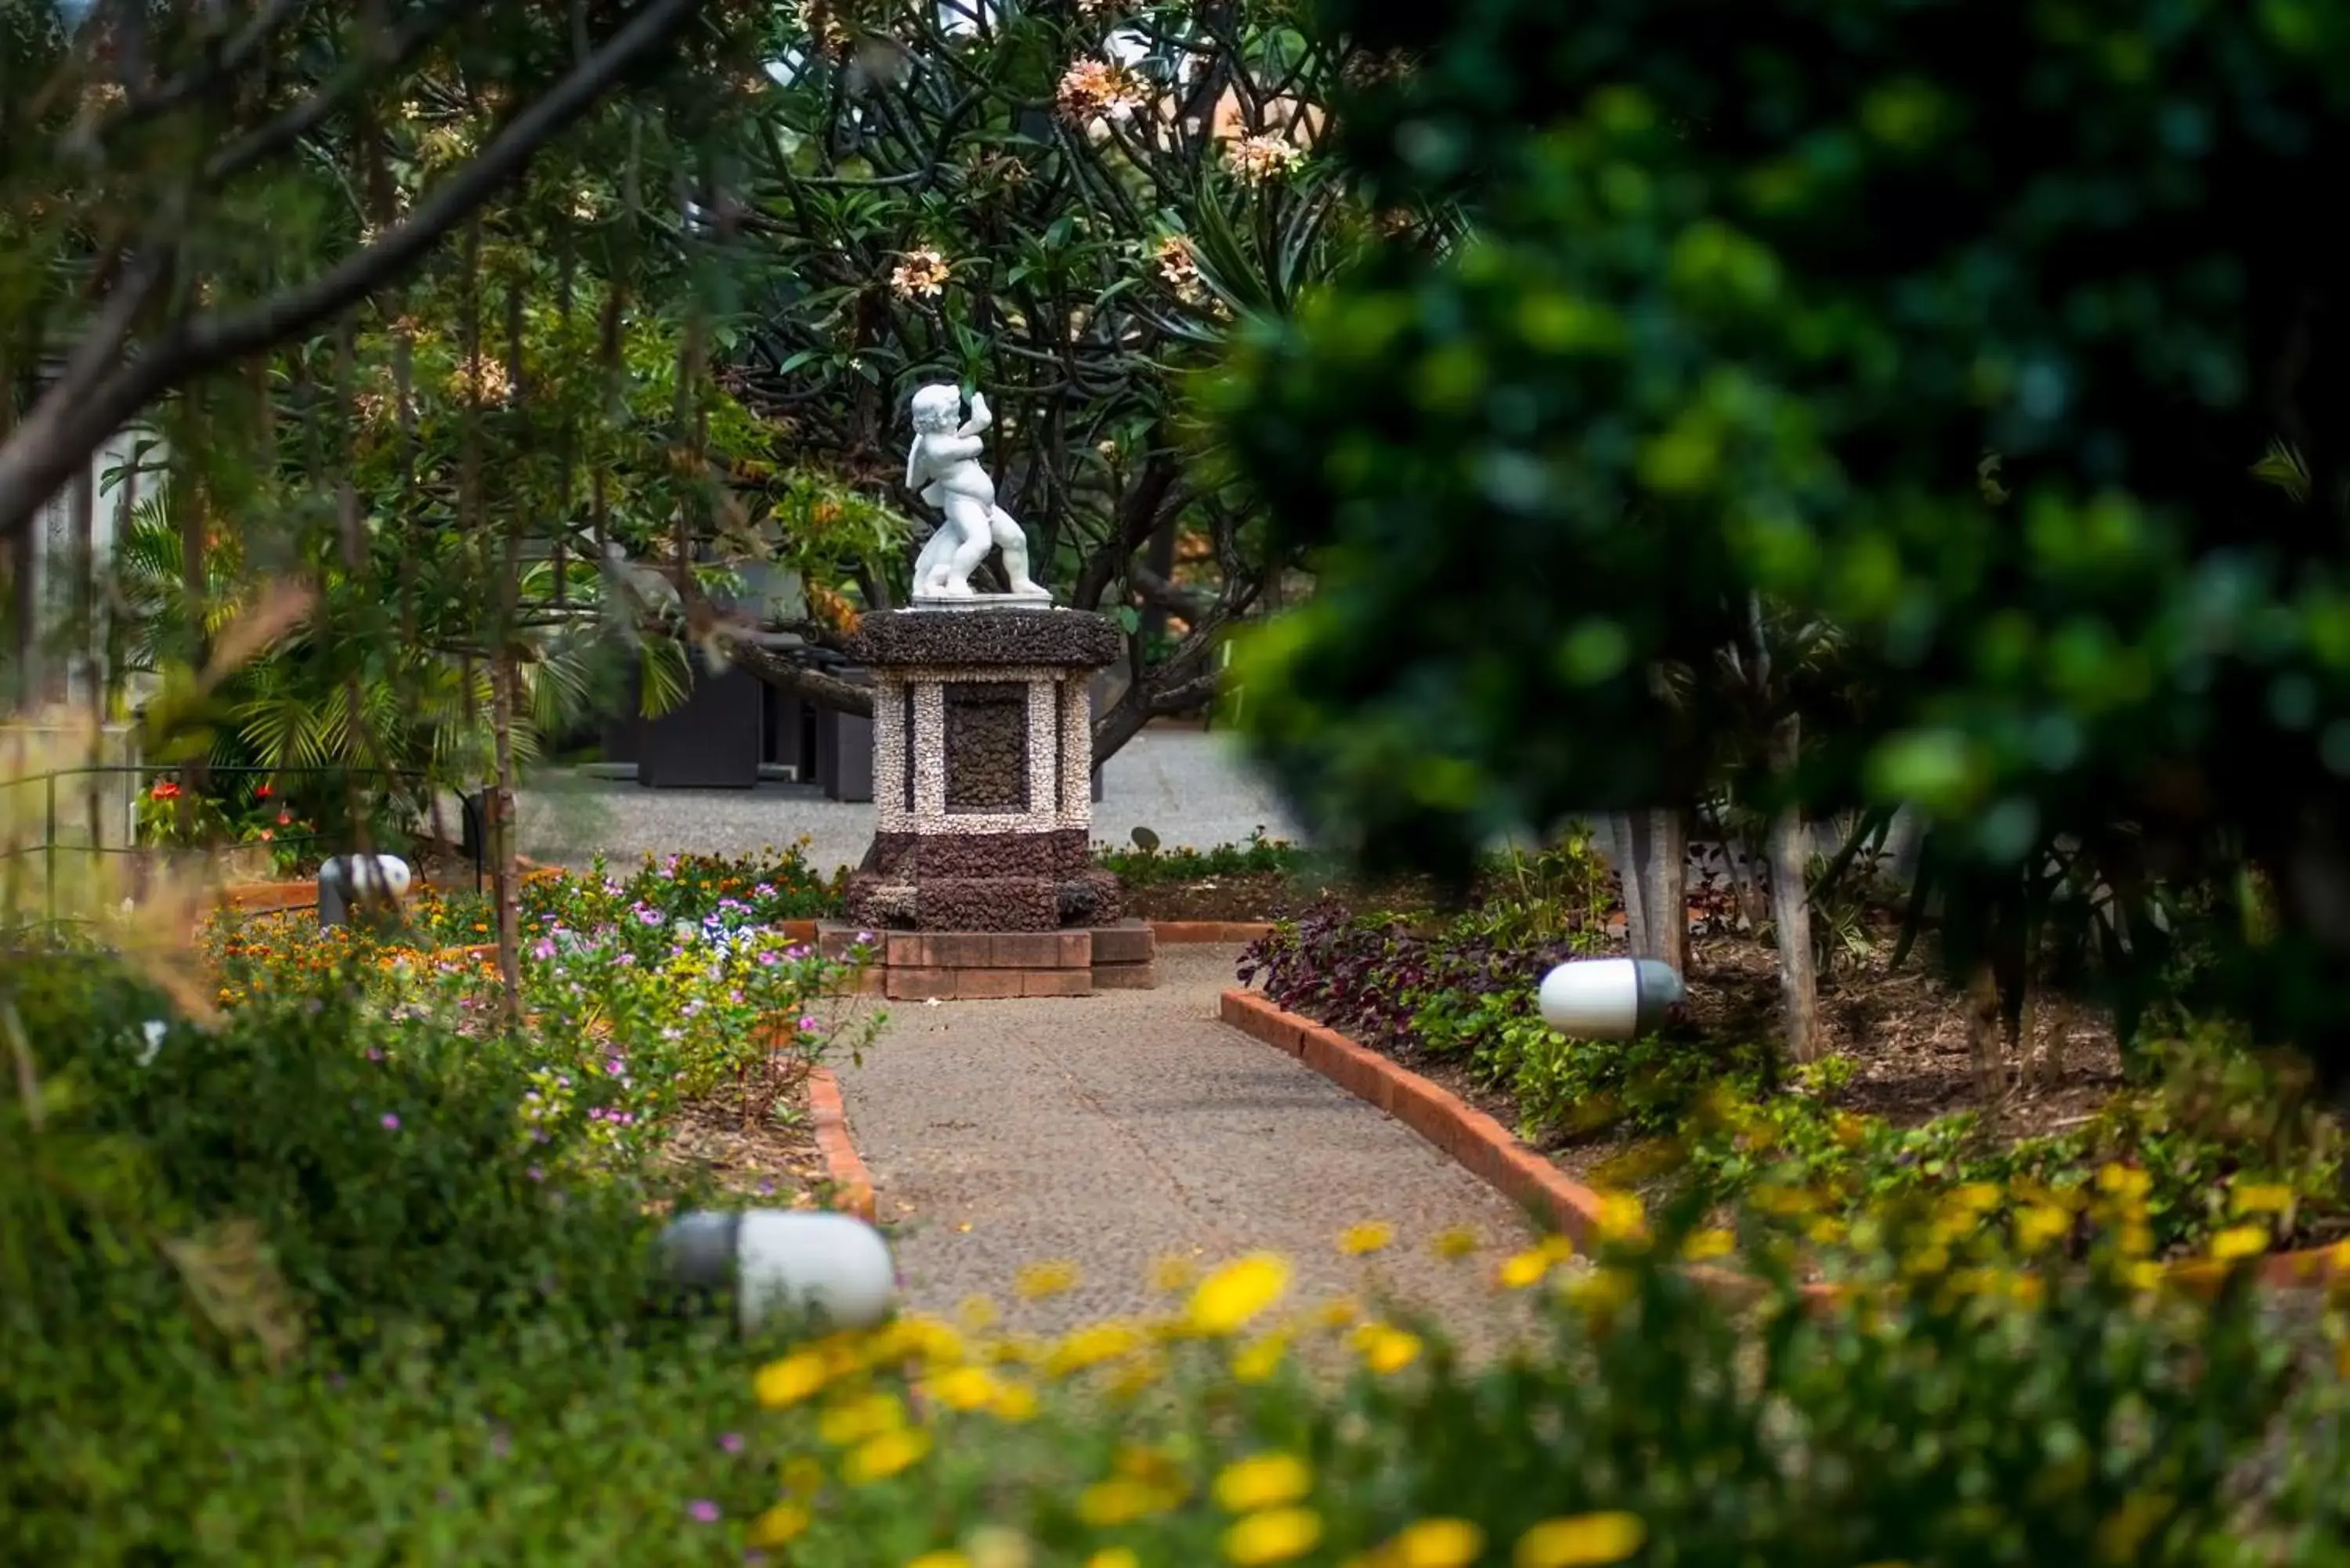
(1094, 89)
(1258, 158)
(923, 273)
(153, 1029)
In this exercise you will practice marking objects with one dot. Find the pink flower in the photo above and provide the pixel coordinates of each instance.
(807, 1025)
(703, 1511)
(390, 1121)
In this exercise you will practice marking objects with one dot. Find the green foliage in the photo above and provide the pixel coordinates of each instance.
(1149, 865)
(1961, 1418)
(1749, 298)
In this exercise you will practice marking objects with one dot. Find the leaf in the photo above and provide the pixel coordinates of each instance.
(1127, 617)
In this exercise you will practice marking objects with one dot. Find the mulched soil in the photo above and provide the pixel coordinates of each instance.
(1904, 1030)
(1265, 896)
(777, 1163)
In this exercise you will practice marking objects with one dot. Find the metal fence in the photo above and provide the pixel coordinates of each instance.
(74, 808)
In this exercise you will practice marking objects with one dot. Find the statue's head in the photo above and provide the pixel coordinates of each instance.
(938, 406)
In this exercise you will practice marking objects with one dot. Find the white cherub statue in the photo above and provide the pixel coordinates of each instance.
(942, 466)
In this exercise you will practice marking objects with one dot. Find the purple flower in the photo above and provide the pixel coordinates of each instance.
(731, 1441)
(533, 1172)
(374, 1054)
(807, 1023)
(545, 949)
(648, 917)
(703, 1511)
(616, 1067)
(391, 1121)
(768, 958)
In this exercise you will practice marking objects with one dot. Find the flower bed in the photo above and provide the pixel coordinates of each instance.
(660, 1012)
(2233, 1154)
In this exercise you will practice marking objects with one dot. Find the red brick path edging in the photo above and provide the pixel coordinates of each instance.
(1490, 1151)
(852, 1183)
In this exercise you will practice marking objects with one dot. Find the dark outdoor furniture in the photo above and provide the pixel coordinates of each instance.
(844, 746)
(711, 740)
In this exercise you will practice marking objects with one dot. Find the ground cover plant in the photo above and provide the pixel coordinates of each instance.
(1959, 1408)
(2226, 1134)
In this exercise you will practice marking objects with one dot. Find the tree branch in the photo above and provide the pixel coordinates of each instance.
(92, 402)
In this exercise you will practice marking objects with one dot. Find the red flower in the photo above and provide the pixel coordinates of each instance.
(165, 789)
(284, 817)
(261, 792)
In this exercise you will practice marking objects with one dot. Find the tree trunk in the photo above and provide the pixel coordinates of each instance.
(1665, 888)
(499, 827)
(1985, 1031)
(1791, 911)
(1630, 831)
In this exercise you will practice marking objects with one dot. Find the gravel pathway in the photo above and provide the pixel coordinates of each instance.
(1119, 1129)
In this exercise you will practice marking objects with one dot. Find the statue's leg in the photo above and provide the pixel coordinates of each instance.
(1009, 539)
(970, 551)
(937, 551)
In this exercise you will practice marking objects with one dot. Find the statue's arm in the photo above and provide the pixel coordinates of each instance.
(946, 449)
(982, 416)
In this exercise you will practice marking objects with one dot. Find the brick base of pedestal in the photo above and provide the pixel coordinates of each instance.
(987, 966)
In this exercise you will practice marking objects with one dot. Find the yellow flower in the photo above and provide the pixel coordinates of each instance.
(1342, 1312)
(1173, 1273)
(2262, 1198)
(1370, 1236)
(1276, 1535)
(1114, 1557)
(2041, 1225)
(1583, 1542)
(2240, 1241)
(1047, 1279)
(2144, 1276)
(885, 1455)
(1621, 1217)
(1262, 1480)
(1014, 1402)
(1715, 1243)
(2124, 1182)
(790, 1380)
(1975, 1198)
(1256, 1361)
(1530, 1267)
(940, 1560)
(852, 1422)
(1122, 1500)
(1093, 1344)
(801, 1476)
(1435, 1543)
(993, 1546)
(1386, 1350)
(1227, 1299)
(780, 1525)
(1458, 1243)
(965, 1389)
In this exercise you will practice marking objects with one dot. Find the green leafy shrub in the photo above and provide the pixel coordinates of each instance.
(1148, 864)
(1956, 1410)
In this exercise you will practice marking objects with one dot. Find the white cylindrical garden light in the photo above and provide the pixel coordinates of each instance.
(1609, 999)
(349, 880)
(786, 1263)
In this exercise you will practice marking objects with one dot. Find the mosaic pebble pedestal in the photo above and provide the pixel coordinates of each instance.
(982, 881)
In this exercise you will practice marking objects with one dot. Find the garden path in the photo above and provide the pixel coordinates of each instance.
(1119, 1129)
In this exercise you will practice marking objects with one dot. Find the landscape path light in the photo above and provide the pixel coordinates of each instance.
(787, 1264)
(359, 880)
(1610, 999)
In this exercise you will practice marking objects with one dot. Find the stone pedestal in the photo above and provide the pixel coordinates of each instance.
(982, 766)
(983, 799)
